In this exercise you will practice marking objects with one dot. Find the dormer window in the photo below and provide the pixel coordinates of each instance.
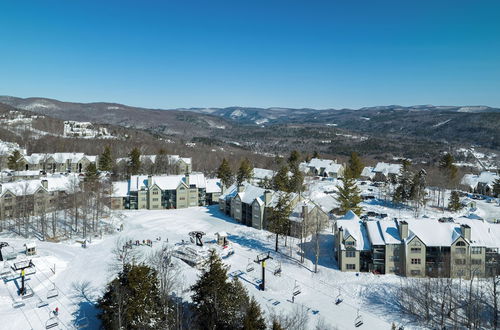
(461, 243)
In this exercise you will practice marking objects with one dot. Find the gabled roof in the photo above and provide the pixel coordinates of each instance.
(386, 168)
(213, 186)
(382, 232)
(329, 166)
(353, 226)
(167, 182)
(120, 189)
(486, 178)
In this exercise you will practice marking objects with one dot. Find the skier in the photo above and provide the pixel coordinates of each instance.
(56, 311)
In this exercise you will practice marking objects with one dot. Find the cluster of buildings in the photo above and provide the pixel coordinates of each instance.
(33, 197)
(326, 168)
(172, 163)
(252, 206)
(462, 248)
(84, 129)
(165, 192)
(480, 183)
(59, 162)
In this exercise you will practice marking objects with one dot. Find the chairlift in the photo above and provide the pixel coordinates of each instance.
(41, 303)
(250, 266)
(18, 304)
(51, 322)
(277, 269)
(358, 321)
(28, 293)
(296, 289)
(52, 293)
(339, 299)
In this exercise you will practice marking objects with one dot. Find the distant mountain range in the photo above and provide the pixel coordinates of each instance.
(478, 125)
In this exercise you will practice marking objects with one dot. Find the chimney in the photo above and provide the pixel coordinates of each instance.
(403, 230)
(341, 235)
(45, 184)
(465, 229)
(305, 212)
(150, 181)
(241, 188)
(187, 179)
(267, 197)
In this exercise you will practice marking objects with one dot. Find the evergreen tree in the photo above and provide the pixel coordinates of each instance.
(106, 160)
(132, 300)
(402, 193)
(315, 154)
(245, 171)
(355, 165)
(294, 158)
(417, 190)
(348, 194)
(281, 180)
(14, 161)
(454, 203)
(253, 319)
(218, 303)
(225, 174)
(91, 174)
(448, 168)
(279, 217)
(134, 165)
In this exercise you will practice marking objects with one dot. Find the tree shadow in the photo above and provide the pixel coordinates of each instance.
(86, 315)
(326, 250)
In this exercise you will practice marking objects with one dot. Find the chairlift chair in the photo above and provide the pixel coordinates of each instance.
(51, 322)
(250, 266)
(296, 289)
(339, 299)
(277, 269)
(41, 303)
(358, 321)
(18, 304)
(52, 293)
(28, 293)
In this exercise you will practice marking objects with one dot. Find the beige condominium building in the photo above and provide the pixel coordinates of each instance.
(418, 247)
(165, 192)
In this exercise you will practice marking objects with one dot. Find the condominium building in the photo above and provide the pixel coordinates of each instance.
(418, 247)
(165, 192)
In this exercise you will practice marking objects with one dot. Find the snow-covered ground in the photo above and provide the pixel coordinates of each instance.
(75, 265)
(363, 293)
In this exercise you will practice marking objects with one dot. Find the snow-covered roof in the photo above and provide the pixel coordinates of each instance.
(383, 232)
(59, 157)
(483, 233)
(213, 186)
(296, 214)
(367, 172)
(120, 189)
(29, 187)
(167, 182)
(486, 178)
(353, 226)
(386, 168)
(262, 173)
(328, 165)
(26, 173)
(250, 193)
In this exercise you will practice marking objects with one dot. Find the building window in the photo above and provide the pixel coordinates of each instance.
(155, 199)
(417, 243)
(416, 261)
(460, 250)
(415, 272)
(475, 250)
(350, 266)
(182, 198)
(460, 243)
(476, 261)
(349, 243)
(415, 250)
(155, 192)
(350, 254)
(460, 262)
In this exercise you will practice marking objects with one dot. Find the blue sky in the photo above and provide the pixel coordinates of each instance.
(320, 54)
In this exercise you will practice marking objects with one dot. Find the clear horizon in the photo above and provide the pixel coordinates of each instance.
(289, 54)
